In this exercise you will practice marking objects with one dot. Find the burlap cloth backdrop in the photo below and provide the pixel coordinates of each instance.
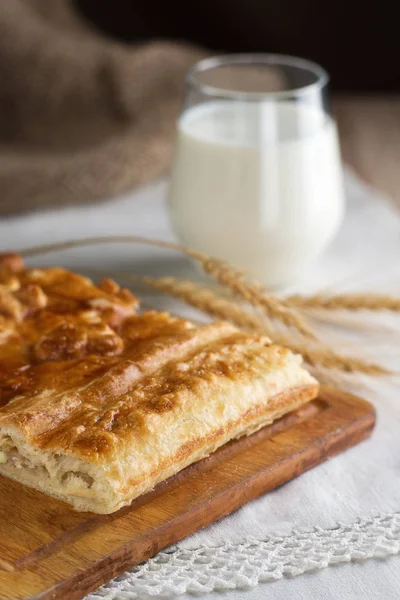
(81, 116)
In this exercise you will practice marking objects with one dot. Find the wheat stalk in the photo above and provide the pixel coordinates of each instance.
(252, 293)
(221, 271)
(353, 302)
(215, 305)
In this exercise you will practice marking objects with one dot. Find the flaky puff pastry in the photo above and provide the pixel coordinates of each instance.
(99, 404)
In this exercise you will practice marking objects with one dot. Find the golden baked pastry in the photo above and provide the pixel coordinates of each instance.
(98, 404)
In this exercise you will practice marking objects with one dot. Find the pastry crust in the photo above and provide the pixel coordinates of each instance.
(99, 404)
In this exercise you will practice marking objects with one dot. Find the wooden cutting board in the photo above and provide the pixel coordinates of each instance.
(49, 551)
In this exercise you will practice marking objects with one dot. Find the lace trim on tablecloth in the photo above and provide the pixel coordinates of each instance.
(243, 565)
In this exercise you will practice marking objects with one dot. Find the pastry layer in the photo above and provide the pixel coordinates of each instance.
(99, 404)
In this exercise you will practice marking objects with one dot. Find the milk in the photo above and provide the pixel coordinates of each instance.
(258, 184)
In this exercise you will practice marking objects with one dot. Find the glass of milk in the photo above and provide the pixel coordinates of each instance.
(256, 177)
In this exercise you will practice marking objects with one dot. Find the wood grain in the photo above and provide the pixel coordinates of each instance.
(49, 551)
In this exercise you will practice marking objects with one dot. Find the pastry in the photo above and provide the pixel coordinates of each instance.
(98, 403)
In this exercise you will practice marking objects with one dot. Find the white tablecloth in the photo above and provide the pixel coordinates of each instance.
(342, 511)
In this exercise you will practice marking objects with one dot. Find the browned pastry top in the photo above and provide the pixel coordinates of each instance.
(56, 327)
(80, 370)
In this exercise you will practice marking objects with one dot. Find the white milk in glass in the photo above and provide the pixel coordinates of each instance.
(258, 184)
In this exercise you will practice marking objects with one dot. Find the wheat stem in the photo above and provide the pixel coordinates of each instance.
(252, 293)
(371, 302)
(215, 305)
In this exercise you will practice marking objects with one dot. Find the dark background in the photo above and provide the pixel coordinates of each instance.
(358, 43)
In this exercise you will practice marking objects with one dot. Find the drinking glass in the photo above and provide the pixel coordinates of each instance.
(256, 176)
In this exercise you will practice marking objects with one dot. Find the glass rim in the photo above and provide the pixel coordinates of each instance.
(263, 59)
